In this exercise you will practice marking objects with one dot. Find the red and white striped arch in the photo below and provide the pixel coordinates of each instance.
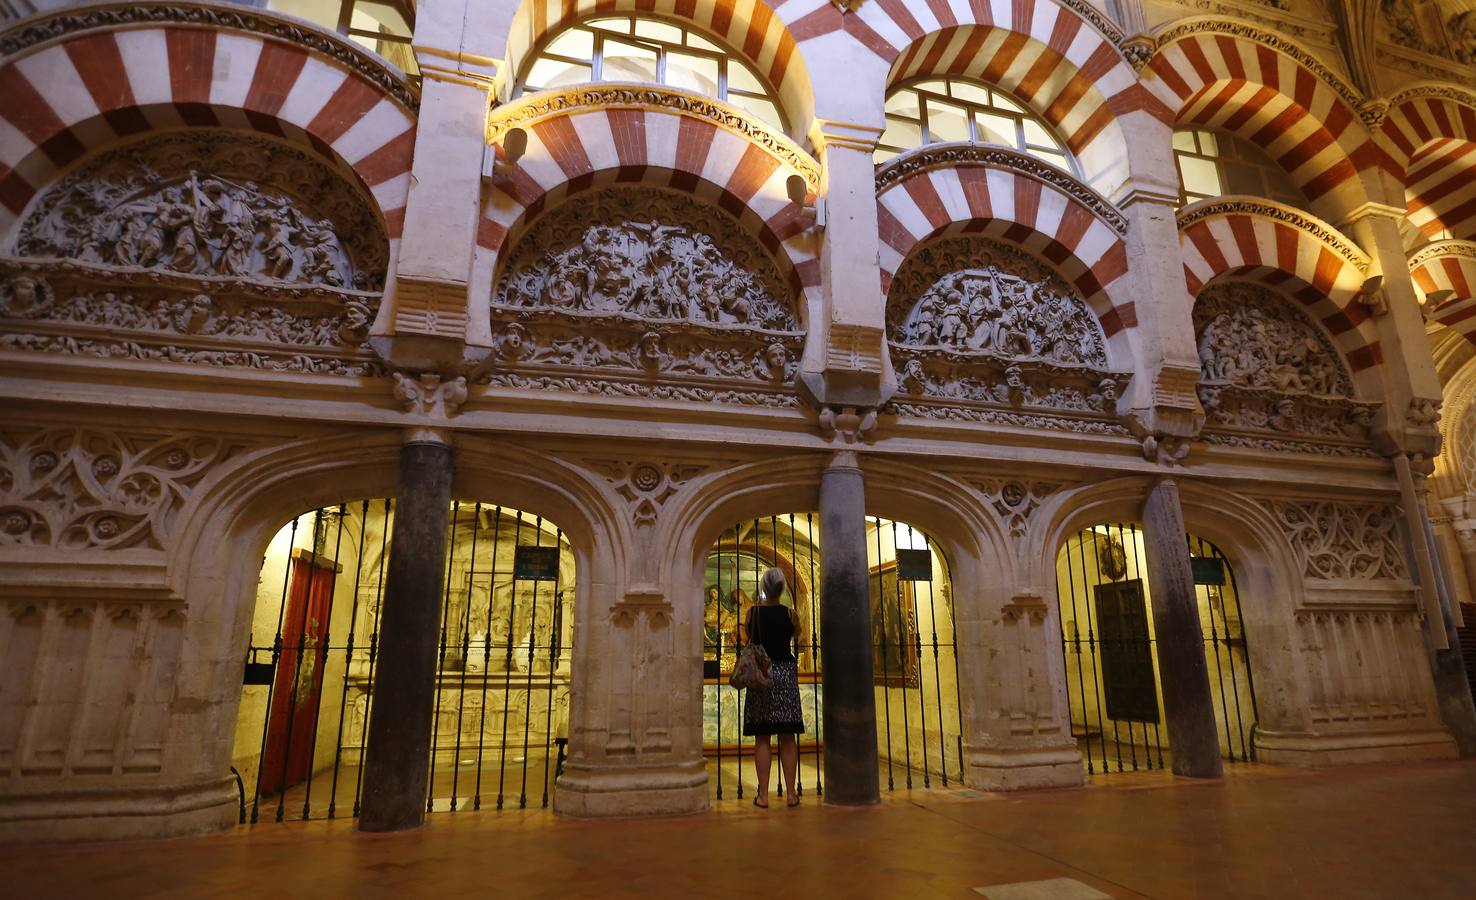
(1269, 98)
(1449, 266)
(1323, 277)
(751, 27)
(89, 90)
(575, 150)
(1014, 208)
(1432, 132)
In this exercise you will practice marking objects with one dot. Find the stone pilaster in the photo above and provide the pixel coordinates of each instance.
(845, 636)
(1183, 674)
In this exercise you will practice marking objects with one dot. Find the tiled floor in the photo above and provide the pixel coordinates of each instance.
(1387, 831)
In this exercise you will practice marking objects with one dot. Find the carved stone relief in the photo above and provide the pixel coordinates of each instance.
(78, 309)
(87, 489)
(972, 321)
(641, 284)
(1014, 499)
(1342, 540)
(1265, 366)
(1461, 30)
(211, 203)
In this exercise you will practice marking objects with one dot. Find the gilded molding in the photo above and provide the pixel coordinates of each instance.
(1441, 249)
(41, 29)
(952, 155)
(1199, 212)
(1216, 25)
(596, 97)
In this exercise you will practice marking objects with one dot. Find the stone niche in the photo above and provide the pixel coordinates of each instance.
(1268, 373)
(982, 331)
(644, 292)
(211, 203)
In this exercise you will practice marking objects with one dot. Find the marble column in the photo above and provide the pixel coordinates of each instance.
(398, 752)
(845, 637)
(1182, 672)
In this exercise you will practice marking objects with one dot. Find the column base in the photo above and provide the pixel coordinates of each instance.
(1349, 749)
(631, 789)
(1024, 768)
(118, 812)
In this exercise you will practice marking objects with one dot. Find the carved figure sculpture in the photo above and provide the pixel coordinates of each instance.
(1251, 337)
(1462, 30)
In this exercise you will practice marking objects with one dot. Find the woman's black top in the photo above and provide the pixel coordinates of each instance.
(774, 630)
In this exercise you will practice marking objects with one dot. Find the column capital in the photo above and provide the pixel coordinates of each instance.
(457, 67)
(1373, 209)
(827, 133)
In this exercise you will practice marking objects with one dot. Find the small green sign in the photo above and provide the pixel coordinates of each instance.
(1207, 570)
(536, 564)
(915, 565)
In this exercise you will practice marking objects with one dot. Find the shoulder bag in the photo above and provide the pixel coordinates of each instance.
(752, 668)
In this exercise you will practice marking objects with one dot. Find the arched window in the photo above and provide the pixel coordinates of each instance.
(382, 26)
(629, 48)
(928, 112)
(1212, 164)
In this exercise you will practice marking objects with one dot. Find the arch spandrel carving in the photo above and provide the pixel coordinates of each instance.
(651, 288)
(212, 203)
(1266, 367)
(972, 320)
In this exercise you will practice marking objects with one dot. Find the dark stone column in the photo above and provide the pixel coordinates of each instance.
(1182, 673)
(398, 752)
(845, 637)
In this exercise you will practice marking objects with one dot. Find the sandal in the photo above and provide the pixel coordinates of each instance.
(792, 802)
(760, 805)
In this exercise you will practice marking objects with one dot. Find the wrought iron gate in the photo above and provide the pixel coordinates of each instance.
(916, 670)
(1110, 657)
(505, 644)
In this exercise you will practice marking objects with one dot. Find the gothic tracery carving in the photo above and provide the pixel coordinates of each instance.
(87, 489)
(1265, 365)
(211, 203)
(1342, 540)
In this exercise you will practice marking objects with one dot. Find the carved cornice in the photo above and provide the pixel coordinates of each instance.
(1216, 25)
(1436, 90)
(593, 97)
(1442, 249)
(41, 29)
(944, 156)
(1255, 206)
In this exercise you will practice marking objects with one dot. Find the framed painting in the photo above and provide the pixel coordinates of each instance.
(893, 629)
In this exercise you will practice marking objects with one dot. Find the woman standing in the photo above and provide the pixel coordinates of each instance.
(774, 710)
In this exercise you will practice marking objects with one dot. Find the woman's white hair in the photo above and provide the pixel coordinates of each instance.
(771, 586)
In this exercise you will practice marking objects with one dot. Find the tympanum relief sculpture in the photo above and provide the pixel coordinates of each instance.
(1265, 367)
(644, 292)
(209, 248)
(976, 327)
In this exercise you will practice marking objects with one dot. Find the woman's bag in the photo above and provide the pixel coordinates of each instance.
(752, 668)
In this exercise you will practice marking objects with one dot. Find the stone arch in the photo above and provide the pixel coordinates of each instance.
(751, 28)
(1267, 573)
(1054, 218)
(233, 516)
(1066, 71)
(1431, 131)
(249, 71)
(1227, 75)
(1448, 266)
(1299, 255)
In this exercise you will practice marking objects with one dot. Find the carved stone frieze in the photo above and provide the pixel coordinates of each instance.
(1342, 540)
(947, 412)
(291, 30)
(645, 286)
(1265, 366)
(91, 489)
(646, 484)
(642, 390)
(1015, 499)
(90, 309)
(1285, 445)
(1198, 212)
(974, 322)
(208, 202)
(951, 155)
(1440, 249)
(1402, 26)
(1461, 29)
(661, 99)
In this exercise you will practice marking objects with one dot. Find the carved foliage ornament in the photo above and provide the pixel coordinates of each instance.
(212, 203)
(76, 489)
(1341, 540)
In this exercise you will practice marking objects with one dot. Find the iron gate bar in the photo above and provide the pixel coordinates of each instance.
(881, 593)
(901, 653)
(512, 606)
(814, 649)
(1247, 746)
(486, 651)
(553, 643)
(471, 573)
(1092, 643)
(348, 653)
(1153, 658)
(1076, 651)
(373, 652)
(1128, 643)
(532, 648)
(922, 700)
(1215, 646)
(272, 686)
(321, 667)
(296, 673)
(430, 787)
(799, 778)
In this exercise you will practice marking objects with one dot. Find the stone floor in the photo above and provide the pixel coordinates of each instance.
(1384, 831)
